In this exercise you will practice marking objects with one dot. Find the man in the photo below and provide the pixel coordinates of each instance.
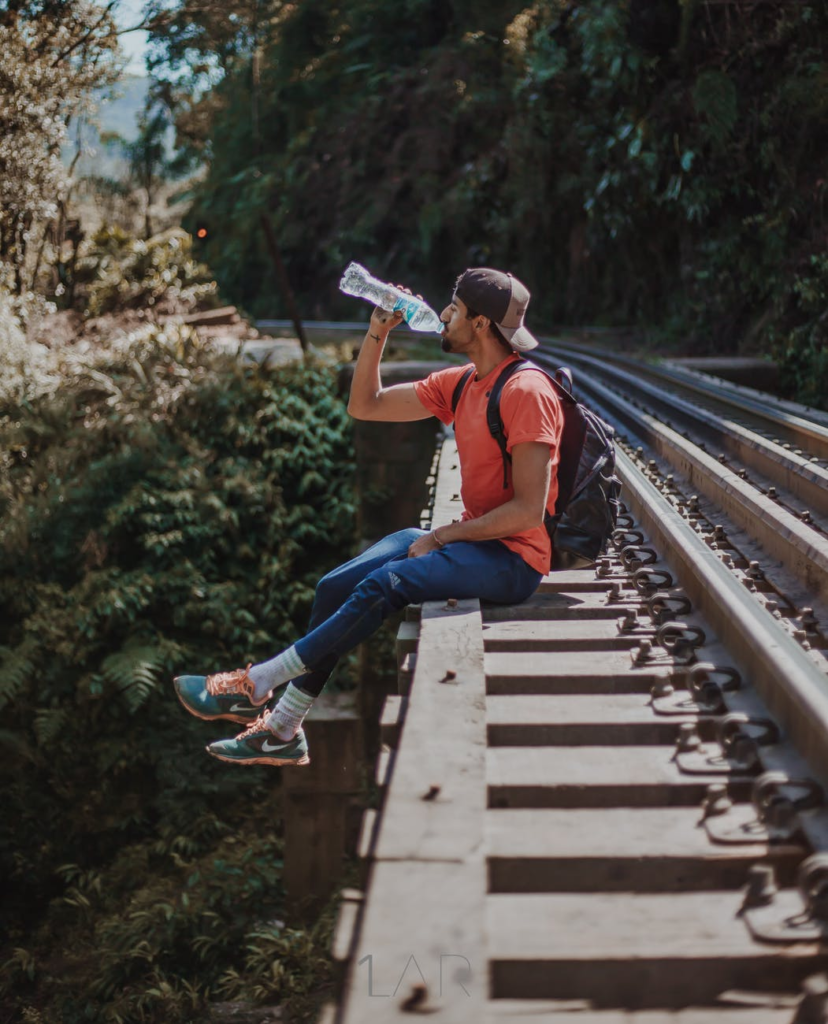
(497, 551)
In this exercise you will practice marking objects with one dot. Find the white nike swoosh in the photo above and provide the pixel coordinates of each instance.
(240, 707)
(267, 746)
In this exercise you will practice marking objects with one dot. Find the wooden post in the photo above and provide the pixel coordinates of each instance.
(393, 459)
(321, 817)
(282, 278)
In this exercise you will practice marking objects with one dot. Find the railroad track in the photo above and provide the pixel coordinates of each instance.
(607, 804)
(764, 467)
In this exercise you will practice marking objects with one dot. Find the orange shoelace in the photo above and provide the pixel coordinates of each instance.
(257, 726)
(237, 681)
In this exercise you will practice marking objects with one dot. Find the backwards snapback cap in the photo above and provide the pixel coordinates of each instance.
(501, 298)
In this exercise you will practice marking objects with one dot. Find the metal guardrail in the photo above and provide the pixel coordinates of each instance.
(313, 325)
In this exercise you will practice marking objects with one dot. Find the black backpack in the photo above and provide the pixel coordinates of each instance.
(587, 505)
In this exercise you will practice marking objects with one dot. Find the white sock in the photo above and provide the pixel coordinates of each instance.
(281, 669)
(287, 717)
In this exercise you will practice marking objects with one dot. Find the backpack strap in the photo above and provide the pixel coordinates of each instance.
(493, 417)
(458, 388)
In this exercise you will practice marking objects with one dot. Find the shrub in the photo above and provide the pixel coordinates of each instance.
(166, 509)
(23, 363)
(802, 351)
(119, 271)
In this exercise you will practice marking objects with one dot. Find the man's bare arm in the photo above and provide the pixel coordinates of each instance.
(530, 476)
(369, 400)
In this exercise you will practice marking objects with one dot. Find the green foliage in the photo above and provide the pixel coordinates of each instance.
(119, 271)
(281, 962)
(167, 509)
(646, 162)
(715, 101)
(802, 353)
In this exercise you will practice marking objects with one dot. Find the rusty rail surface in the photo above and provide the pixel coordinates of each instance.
(606, 804)
(794, 424)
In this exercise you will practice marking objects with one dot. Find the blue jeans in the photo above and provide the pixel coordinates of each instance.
(352, 601)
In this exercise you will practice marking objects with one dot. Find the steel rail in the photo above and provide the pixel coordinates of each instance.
(794, 688)
(782, 409)
(806, 480)
(774, 415)
(802, 550)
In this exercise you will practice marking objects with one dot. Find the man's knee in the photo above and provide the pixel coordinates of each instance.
(386, 583)
(405, 538)
(331, 592)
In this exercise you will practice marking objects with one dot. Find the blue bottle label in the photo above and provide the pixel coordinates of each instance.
(408, 306)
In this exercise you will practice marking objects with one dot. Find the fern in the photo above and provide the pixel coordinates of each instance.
(135, 672)
(17, 672)
(50, 724)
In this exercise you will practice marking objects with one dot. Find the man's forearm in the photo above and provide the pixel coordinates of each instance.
(366, 383)
(504, 521)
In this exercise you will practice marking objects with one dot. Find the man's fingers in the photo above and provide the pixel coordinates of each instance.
(384, 314)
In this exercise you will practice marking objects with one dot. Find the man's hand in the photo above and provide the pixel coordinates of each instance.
(382, 322)
(369, 400)
(423, 546)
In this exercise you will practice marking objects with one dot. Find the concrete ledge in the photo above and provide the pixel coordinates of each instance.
(420, 945)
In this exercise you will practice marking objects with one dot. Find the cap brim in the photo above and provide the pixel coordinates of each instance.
(521, 340)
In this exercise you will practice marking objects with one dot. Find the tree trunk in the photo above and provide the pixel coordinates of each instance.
(282, 278)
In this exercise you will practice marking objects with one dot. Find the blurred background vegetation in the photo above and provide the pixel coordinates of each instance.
(650, 164)
(655, 163)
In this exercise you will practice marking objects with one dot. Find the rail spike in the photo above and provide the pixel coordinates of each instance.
(621, 538)
(772, 816)
(667, 605)
(649, 581)
(792, 915)
(777, 806)
(634, 557)
(680, 640)
(739, 739)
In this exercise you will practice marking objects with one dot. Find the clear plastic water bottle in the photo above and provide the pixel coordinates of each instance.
(357, 281)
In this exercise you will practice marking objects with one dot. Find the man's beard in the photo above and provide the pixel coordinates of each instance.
(445, 344)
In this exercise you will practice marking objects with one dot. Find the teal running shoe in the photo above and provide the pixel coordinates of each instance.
(260, 745)
(222, 695)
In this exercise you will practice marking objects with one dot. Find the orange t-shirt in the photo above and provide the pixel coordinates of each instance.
(530, 410)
